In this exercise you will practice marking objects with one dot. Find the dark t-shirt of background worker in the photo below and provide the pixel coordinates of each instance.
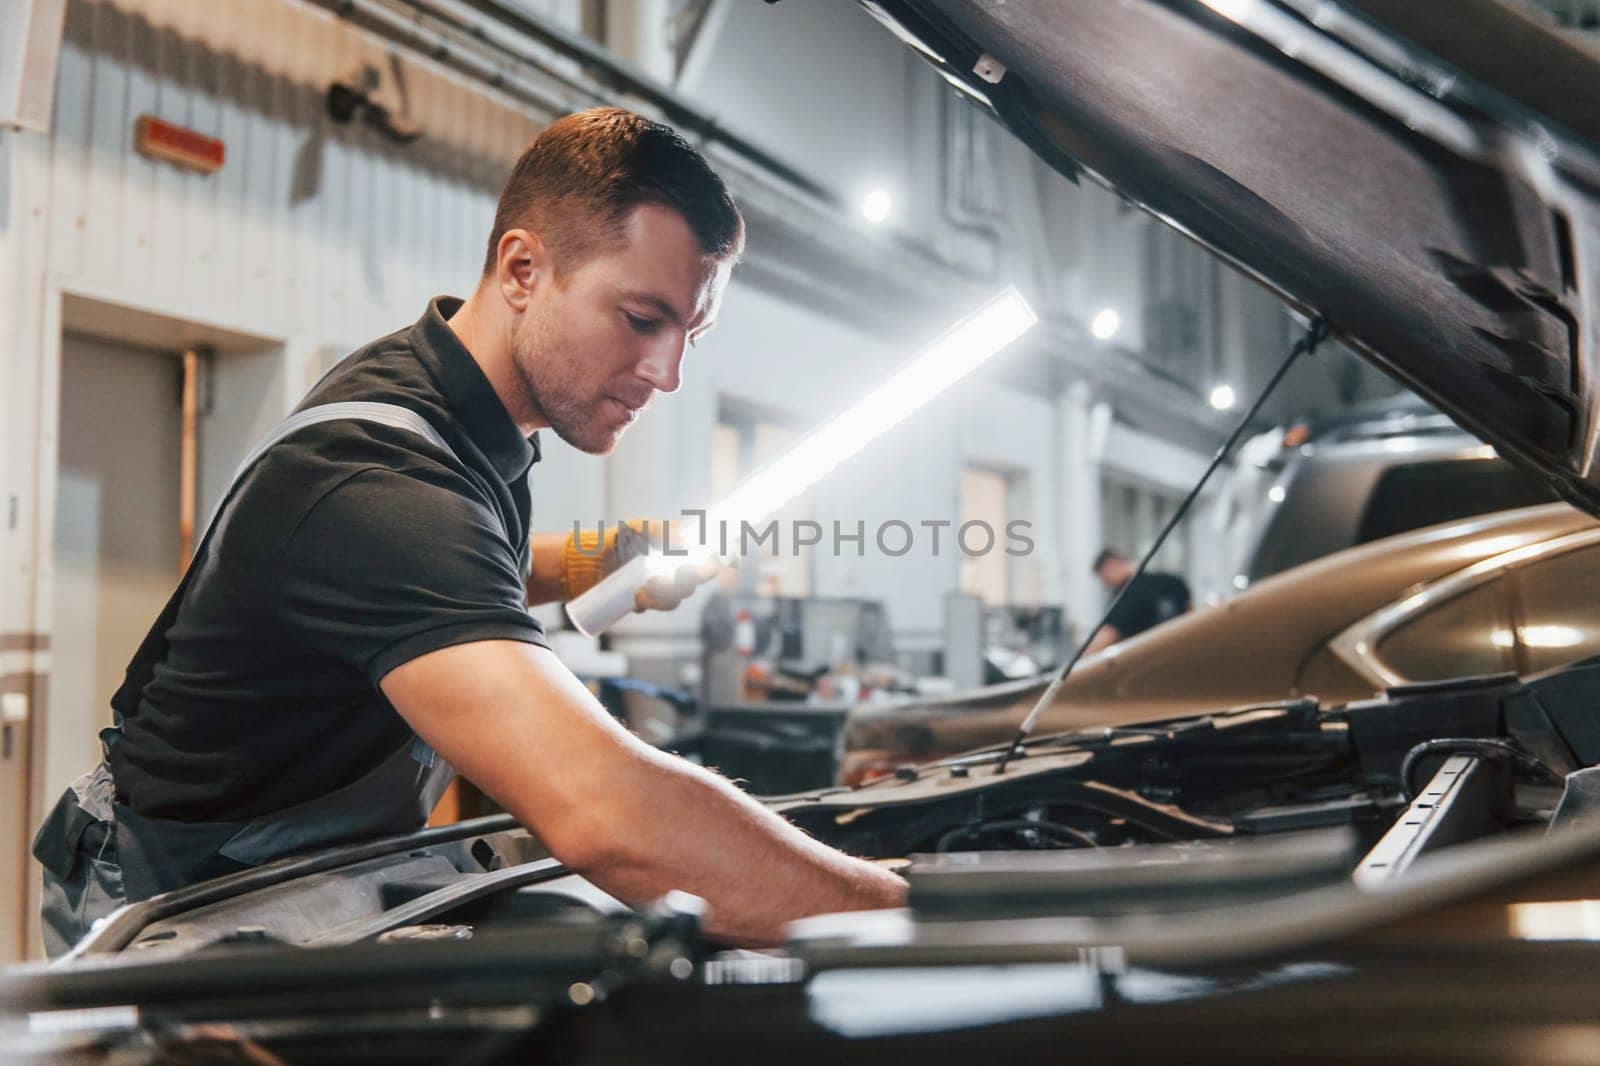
(1150, 599)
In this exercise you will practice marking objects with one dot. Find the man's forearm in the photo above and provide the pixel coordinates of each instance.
(671, 824)
(636, 821)
(1104, 637)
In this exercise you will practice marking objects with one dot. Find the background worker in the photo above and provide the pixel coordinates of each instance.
(1154, 597)
(355, 621)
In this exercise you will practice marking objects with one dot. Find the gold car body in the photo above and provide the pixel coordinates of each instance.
(1314, 630)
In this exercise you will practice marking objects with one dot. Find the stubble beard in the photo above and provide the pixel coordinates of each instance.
(542, 360)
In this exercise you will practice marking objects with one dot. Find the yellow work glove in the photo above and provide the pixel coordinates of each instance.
(590, 559)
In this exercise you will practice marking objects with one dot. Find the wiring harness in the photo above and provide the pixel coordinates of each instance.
(1484, 748)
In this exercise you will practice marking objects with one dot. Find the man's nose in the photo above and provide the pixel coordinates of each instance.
(662, 365)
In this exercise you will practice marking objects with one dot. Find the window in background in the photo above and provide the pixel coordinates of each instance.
(984, 498)
(745, 440)
(1132, 514)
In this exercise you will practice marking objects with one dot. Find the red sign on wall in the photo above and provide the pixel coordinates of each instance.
(177, 144)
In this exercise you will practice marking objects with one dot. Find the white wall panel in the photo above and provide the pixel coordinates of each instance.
(794, 77)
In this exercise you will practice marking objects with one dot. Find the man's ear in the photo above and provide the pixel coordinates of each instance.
(522, 264)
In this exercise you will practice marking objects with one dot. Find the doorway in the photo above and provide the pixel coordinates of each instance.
(117, 532)
(113, 485)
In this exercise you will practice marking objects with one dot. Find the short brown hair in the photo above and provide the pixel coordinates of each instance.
(576, 183)
(1105, 556)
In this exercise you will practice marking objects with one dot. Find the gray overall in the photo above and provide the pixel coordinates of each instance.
(98, 853)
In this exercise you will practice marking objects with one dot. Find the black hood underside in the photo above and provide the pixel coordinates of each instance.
(1436, 204)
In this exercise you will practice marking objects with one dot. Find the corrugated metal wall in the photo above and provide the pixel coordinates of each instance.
(310, 227)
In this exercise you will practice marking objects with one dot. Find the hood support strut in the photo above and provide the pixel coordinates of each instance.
(1315, 334)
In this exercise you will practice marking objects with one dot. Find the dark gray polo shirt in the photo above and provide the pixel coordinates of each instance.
(349, 549)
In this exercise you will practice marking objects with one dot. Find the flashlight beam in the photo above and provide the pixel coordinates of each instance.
(965, 347)
(960, 350)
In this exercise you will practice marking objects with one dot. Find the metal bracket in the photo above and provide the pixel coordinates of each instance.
(1458, 804)
(989, 69)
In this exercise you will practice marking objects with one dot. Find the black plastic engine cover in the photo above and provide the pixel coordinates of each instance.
(1383, 730)
(1571, 697)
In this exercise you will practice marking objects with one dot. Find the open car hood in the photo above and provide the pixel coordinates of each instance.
(1426, 176)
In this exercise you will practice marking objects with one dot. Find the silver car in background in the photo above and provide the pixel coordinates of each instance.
(1324, 483)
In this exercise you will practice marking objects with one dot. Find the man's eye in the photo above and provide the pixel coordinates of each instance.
(641, 324)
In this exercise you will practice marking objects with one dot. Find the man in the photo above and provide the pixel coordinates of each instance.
(355, 620)
(1152, 599)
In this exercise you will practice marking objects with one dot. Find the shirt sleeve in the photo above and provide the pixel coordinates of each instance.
(388, 566)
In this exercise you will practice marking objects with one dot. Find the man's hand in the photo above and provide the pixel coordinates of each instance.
(666, 591)
(636, 821)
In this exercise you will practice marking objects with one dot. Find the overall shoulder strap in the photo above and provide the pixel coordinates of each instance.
(141, 669)
(387, 414)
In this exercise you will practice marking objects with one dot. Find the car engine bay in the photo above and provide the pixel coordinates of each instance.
(1181, 815)
(1230, 854)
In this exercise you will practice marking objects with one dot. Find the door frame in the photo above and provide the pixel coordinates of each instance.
(277, 358)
